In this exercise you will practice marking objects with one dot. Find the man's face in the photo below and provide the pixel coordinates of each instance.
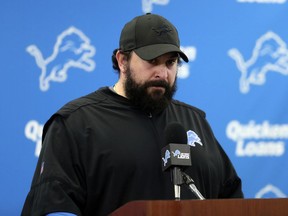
(151, 84)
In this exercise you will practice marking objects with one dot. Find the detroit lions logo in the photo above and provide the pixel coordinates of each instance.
(167, 156)
(164, 29)
(176, 153)
(269, 55)
(193, 138)
(270, 191)
(71, 50)
(147, 5)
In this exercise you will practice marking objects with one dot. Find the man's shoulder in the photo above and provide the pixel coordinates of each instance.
(185, 106)
(71, 108)
(93, 98)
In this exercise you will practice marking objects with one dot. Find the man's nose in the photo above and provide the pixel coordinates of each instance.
(161, 72)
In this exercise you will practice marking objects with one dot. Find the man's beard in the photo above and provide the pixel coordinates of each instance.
(153, 102)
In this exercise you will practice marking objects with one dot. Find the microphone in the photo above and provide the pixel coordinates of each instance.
(176, 154)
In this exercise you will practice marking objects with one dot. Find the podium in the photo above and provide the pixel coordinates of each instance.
(212, 207)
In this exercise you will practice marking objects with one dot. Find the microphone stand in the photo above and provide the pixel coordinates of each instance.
(190, 183)
(177, 179)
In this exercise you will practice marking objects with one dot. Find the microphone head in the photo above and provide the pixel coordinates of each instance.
(175, 133)
(175, 153)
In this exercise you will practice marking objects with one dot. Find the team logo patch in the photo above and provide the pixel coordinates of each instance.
(193, 138)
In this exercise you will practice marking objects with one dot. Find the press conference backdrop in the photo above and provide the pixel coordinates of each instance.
(55, 51)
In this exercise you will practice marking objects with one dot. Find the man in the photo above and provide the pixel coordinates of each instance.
(104, 150)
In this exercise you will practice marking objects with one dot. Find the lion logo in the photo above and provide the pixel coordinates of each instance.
(71, 50)
(270, 191)
(167, 156)
(270, 54)
(193, 138)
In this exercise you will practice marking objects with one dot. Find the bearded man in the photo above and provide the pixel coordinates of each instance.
(104, 149)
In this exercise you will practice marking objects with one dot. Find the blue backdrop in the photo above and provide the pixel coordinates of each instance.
(55, 51)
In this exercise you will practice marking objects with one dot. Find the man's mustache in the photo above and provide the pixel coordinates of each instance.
(157, 83)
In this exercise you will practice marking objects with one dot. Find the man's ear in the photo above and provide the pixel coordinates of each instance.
(122, 61)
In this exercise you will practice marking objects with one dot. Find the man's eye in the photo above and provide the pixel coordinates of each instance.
(172, 62)
(153, 61)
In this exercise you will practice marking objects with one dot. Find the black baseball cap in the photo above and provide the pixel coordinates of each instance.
(150, 36)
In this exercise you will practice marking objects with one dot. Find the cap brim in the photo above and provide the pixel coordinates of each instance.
(153, 51)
